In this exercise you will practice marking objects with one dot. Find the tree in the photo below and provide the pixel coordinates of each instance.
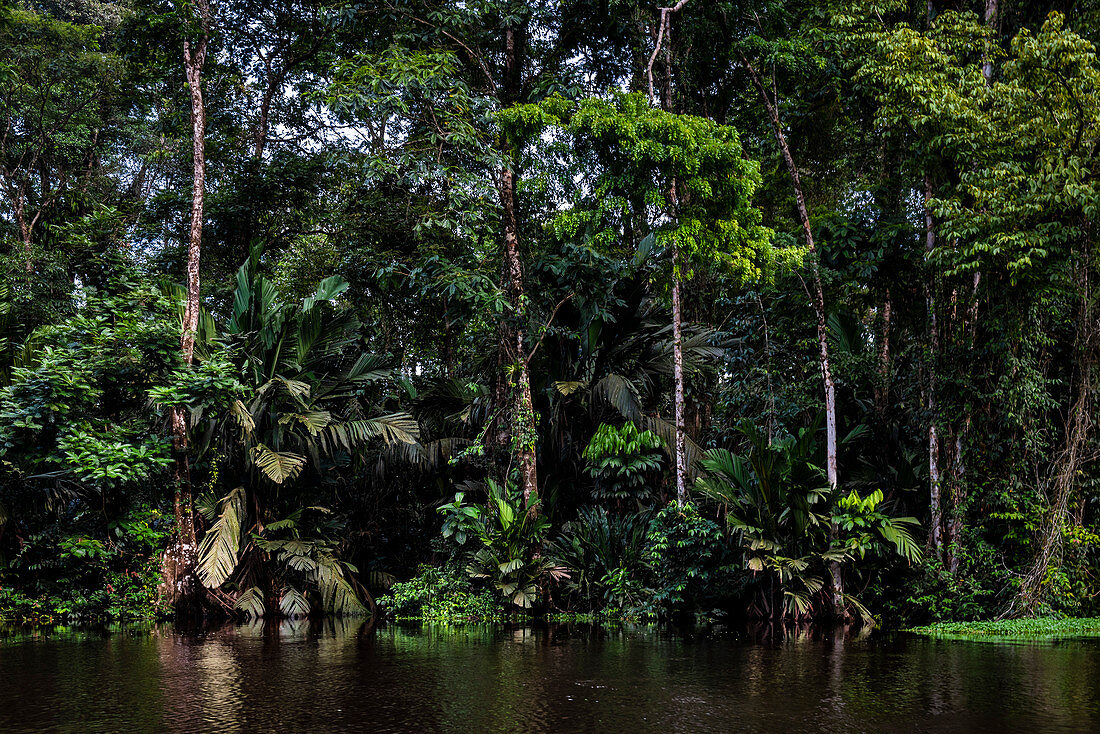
(61, 104)
(181, 586)
(288, 406)
(676, 181)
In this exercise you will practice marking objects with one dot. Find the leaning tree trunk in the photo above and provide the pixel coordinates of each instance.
(181, 584)
(816, 294)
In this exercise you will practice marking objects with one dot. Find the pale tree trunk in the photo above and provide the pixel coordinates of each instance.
(181, 584)
(935, 480)
(679, 449)
(993, 22)
(817, 299)
(678, 378)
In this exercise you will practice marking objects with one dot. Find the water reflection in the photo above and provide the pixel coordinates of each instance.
(341, 675)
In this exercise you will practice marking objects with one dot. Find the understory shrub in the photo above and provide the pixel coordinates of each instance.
(441, 594)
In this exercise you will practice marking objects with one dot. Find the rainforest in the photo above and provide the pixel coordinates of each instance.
(509, 310)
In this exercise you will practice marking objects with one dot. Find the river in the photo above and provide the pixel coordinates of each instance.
(342, 677)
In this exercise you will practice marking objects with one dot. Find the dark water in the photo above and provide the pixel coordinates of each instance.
(297, 677)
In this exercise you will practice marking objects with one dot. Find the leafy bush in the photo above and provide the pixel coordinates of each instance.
(63, 575)
(690, 561)
(789, 525)
(510, 530)
(442, 595)
(619, 459)
(605, 557)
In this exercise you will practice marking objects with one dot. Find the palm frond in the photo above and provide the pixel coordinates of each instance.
(221, 544)
(666, 431)
(621, 393)
(369, 367)
(568, 387)
(337, 593)
(293, 603)
(251, 603)
(314, 420)
(897, 530)
(243, 418)
(352, 435)
(278, 466)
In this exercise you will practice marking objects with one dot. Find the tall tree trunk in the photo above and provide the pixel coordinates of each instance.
(882, 391)
(522, 428)
(28, 246)
(181, 584)
(992, 21)
(513, 336)
(935, 533)
(25, 228)
(678, 378)
(679, 450)
(259, 140)
(817, 300)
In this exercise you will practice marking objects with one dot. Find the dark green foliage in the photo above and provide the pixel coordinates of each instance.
(693, 566)
(443, 595)
(509, 530)
(68, 572)
(605, 555)
(349, 412)
(620, 461)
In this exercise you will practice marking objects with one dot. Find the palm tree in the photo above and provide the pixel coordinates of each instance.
(781, 509)
(302, 410)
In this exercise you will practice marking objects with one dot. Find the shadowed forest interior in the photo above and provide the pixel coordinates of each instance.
(769, 309)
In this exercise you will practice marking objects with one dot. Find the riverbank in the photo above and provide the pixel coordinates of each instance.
(1044, 628)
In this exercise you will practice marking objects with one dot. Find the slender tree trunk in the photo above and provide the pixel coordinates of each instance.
(679, 449)
(25, 235)
(181, 584)
(514, 341)
(519, 380)
(678, 378)
(259, 140)
(28, 248)
(194, 60)
(817, 300)
(935, 534)
(882, 393)
(448, 340)
(993, 22)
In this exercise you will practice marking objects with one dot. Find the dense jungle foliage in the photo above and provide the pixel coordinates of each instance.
(777, 309)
